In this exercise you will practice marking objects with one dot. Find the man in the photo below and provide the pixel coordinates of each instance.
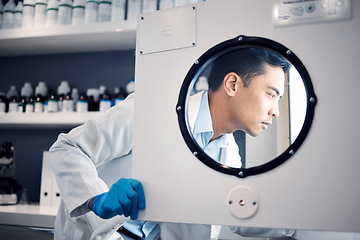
(92, 163)
(245, 86)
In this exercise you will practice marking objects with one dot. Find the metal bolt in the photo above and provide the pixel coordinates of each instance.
(312, 99)
(254, 202)
(195, 153)
(196, 62)
(178, 108)
(288, 52)
(193, 44)
(241, 173)
(193, 7)
(142, 18)
(240, 38)
(291, 152)
(141, 52)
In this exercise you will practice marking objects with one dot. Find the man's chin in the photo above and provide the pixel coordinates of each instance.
(254, 134)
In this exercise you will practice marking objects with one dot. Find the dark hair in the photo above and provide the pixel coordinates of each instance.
(246, 62)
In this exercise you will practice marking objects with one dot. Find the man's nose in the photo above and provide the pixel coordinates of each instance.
(275, 112)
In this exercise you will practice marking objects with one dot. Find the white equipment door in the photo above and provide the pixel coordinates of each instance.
(317, 187)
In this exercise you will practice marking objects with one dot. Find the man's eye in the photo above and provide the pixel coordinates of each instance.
(272, 95)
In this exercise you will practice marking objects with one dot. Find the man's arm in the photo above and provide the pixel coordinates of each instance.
(76, 156)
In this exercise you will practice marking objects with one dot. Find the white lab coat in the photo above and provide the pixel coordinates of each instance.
(86, 162)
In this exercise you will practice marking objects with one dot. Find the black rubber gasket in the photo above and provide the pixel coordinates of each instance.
(226, 46)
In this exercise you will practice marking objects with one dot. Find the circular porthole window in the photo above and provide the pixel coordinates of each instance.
(245, 106)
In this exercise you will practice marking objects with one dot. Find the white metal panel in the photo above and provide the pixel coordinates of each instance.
(167, 30)
(316, 189)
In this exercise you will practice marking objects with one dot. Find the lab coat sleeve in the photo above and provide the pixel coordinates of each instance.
(75, 156)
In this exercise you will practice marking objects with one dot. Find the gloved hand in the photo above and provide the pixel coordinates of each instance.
(125, 196)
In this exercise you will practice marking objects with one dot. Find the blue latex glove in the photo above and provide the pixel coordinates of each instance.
(125, 197)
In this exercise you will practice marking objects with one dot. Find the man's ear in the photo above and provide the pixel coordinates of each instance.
(231, 83)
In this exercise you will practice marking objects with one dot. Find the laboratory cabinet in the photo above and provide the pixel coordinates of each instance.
(86, 56)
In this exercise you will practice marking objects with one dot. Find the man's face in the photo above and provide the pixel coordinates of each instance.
(255, 106)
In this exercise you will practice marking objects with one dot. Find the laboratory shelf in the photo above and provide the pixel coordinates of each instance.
(105, 36)
(45, 120)
(31, 215)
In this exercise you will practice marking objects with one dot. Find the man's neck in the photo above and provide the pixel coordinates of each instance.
(217, 105)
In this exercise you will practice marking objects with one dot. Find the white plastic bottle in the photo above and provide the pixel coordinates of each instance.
(9, 15)
(27, 102)
(165, 4)
(40, 13)
(68, 103)
(64, 12)
(118, 10)
(104, 11)
(52, 104)
(119, 95)
(149, 6)
(1, 13)
(130, 87)
(63, 89)
(75, 97)
(52, 13)
(91, 11)
(82, 105)
(105, 101)
(13, 97)
(134, 8)
(28, 13)
(78, 12)
(3, 103)
(41, 92)
(18, 15)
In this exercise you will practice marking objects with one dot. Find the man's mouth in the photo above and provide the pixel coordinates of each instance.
(266, 124)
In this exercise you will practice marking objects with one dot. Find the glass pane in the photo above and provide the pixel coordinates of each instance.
(240, 106)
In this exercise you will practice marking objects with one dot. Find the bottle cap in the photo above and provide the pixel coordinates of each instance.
(19, 7)
(102, 89)
(130, 87)
(27, 90)
(12, 92)
(41, 89)
(75, 94)
(93, 92)
(10, 6)
(63, 88)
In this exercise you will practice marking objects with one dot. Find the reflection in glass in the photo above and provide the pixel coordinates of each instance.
(235, 148)
(297, 98)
